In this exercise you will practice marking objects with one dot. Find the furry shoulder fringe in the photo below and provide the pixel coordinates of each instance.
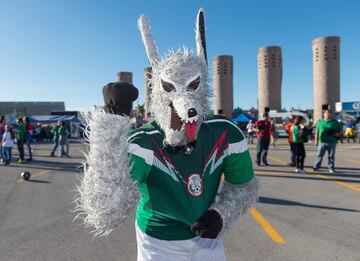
(106, 194)
(233, 200)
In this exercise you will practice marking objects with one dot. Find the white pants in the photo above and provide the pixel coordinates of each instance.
(196, 249)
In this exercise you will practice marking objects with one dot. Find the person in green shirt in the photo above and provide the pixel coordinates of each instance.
(63, 139)
(56, 138)
(297, 135)
(20, 138)
(327, 132)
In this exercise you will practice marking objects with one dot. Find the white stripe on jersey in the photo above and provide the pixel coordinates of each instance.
(238, 147)
(143, 132)
(150, 159)
(146, 154)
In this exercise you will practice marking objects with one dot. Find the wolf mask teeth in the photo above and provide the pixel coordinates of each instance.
(176, 121)
(179, 82)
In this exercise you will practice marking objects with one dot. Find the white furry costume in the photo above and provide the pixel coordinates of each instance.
(180, 105)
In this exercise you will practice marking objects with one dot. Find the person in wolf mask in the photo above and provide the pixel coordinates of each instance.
(176, 162)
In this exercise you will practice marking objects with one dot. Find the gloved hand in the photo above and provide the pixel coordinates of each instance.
(209, 225)
(118, 97)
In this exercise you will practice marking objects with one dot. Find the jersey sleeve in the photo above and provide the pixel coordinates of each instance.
(141, 158)
(294, 132)
(238, 164)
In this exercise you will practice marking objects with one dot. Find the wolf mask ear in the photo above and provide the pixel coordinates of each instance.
(200, 35)
(150, 47)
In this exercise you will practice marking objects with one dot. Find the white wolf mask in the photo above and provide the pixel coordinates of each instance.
(180, 92)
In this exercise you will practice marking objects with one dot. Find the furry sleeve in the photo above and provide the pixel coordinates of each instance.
(106, 194)
(233, 200)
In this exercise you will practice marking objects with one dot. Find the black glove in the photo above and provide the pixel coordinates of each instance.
(209, 225)
(118, 97)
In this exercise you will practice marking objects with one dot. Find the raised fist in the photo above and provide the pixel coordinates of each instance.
(118, 97)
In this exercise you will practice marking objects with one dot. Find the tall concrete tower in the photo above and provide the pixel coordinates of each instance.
(125, 77)
(147, 89)
(223, 84)
(326, 73)
(269, 78)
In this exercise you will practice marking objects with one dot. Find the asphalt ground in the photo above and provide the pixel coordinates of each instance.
(310, 216)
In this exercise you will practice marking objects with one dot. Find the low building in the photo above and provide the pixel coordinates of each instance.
(350, 110)
(30, 108)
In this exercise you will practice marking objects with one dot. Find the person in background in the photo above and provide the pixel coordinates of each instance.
(327, 132)
(341, 137)
(20, 138)
(48, 133)
(250, 131)
(29, 130)
(298, 143)
(263, 132)
(311, 131)
(358, 130)
(349, 131)
(63, 140)
(37, 132)
(7, 143)
(288, 129)
(67, 144)
(2, 130)
(274, 131)
(55, 138)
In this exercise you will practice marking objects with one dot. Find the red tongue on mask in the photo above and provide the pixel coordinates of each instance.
(190, 129)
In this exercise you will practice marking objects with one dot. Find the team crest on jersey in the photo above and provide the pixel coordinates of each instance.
(195, 185)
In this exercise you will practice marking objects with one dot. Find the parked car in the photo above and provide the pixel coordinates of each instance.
(282, 133)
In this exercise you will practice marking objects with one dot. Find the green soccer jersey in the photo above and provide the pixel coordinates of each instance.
(62, 131)
(177, 188)
(20, 132)
(326, 130)
(297, 138)
(56, 132)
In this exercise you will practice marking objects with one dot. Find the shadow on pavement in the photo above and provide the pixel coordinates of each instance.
(274, 165)
(277, 201)
(273, 170)
(342, 168)
(38, 181)
(42, 164)
(338, 173)
(310, 177)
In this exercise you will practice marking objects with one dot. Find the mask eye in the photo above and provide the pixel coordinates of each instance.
(194, 84)
(168, 87)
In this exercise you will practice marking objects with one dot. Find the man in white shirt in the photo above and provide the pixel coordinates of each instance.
(7, 144)
(250, 131)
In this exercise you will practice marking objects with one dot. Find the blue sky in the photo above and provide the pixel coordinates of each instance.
(67, 50)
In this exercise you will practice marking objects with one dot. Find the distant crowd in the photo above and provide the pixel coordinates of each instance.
(23, 134)
(326, 134)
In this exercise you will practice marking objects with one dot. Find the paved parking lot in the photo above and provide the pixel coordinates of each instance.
(310, 216)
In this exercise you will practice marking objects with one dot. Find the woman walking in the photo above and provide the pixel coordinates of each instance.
(63, 140)
(298, 141)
